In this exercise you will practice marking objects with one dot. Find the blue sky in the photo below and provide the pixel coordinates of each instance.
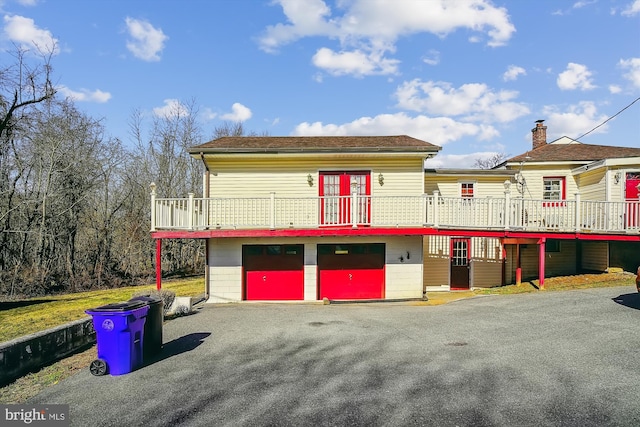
(469, 75)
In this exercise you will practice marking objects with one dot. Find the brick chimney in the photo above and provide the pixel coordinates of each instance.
(539, 134)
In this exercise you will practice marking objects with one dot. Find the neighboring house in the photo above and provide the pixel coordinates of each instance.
(579, 200)
(307, 218)
(565, 170)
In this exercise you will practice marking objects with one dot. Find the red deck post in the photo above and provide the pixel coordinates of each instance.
(158, 264)
(518, 267)
(541, 258)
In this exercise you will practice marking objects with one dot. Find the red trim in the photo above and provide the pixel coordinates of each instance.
(541, 258)
(159, 264)
(452, 256)
(391, 231)
(563, 190)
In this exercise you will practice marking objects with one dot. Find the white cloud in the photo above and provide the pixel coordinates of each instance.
(576, 76)
(171, 108)
(368, 30)
(615, 89)
(208, 114)
(583, 3)
(632, 9)
(457, 161)
(28, 2)
(433, 58)
(239, 113)
(513, 72)
(307, 19)
(436, 130)
(146, 42)
(574, 121)
(85, 95)
(356, 63)
(633, 67)
(472, 101)
(23, 31)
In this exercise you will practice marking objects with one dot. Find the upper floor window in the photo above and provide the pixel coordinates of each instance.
(553, 188)
(466, 189)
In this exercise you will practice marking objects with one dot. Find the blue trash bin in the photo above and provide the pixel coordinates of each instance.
(120, 336)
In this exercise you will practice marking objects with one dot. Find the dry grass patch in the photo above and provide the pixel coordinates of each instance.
(581, 281)
(31, 384)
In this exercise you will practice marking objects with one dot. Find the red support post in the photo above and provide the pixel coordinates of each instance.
(158, 264)
(518, 266)
(541, 259)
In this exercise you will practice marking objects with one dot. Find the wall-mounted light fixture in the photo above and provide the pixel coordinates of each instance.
(310, 180)
(617, 177)
(507, 185)
(380, 179)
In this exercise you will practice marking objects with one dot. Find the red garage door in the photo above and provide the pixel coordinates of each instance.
(354, 271)
(273, 272)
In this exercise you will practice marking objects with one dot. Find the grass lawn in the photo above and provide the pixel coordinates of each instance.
(48, 312)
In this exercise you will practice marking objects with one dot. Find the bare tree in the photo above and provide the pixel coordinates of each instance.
(234, 129)
(23, 85)
(490, 162)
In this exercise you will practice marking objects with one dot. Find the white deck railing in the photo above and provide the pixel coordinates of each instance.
(273, 212)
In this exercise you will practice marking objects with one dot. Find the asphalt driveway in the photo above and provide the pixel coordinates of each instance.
(550, 358)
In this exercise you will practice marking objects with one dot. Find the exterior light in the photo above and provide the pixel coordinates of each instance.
(507, 185)
(617, 177)
(381, 179)
(153, 187)
(310, 180)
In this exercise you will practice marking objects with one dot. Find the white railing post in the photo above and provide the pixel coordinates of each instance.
(190, 212)
(153, 206)
(578, 212)
(489, 211)
(354, 204)
(272, 208)
(425, 209)
(507, 203)
(436, 213)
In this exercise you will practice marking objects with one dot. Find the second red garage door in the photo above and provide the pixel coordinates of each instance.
(273, 272)
(351, 271)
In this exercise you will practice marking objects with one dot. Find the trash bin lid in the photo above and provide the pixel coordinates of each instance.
(147, 299)
(120, 306)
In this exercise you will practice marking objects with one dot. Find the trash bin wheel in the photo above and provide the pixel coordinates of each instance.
(98, 367)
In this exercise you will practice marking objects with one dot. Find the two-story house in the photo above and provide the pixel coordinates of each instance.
(308, 218)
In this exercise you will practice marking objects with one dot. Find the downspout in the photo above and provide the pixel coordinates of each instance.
(206, 195)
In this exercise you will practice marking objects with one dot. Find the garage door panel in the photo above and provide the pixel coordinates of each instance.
(351, 271)
(274, 272)
(275, 285)
(352, 284)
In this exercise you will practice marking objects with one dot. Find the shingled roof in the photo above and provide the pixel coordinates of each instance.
(302, 144)
(575, 152)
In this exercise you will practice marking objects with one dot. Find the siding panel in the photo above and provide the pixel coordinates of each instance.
(595, 256)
